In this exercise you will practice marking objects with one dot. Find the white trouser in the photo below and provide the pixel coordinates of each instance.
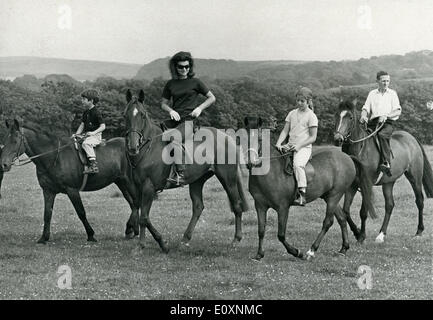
(300, 160)
(89, 143)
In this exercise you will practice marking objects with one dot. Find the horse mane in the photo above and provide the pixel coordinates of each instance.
(44, 132)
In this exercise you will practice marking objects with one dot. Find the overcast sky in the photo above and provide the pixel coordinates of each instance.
(140, 31)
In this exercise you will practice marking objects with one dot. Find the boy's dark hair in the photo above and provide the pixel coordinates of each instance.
(91, 94)
(381, 73)
(181, 56)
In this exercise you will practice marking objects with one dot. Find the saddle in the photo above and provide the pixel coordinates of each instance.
(82, 155)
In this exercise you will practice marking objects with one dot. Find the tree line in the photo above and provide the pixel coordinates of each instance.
(57, 105)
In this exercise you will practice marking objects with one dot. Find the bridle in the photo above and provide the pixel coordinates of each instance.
(23, 142)
(349, 133)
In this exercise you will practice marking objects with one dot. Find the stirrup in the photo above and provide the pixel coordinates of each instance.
(300, 200)
(179, 180)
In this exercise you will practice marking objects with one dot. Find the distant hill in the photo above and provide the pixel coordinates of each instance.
(317, 74)
(212, 68)
(32, 83)
(78, 69)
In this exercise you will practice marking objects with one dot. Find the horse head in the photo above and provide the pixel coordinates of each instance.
(136, 120)
(13, 145)
(345, 121)
(253, 125)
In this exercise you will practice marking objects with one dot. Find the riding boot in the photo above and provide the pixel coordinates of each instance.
(91, 168)
(300, 199)
(178, 176)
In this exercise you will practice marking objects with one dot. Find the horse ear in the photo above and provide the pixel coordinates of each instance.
(341, 99)
(7, 124)
(141, 96)
(260, 122)
(355, 101)
(128, 96)
(246, 121)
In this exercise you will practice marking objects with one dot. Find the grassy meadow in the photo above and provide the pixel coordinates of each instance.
(210, 268)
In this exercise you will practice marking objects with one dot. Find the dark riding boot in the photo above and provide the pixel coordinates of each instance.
(300, 199)
(178, 178)
(91, 168)
(385, 167)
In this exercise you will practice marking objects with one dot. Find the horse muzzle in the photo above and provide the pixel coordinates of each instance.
(338, 139)
(5, 167)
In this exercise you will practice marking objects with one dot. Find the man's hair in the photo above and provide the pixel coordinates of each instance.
(181, 56)
(381, 73)
(91, 94)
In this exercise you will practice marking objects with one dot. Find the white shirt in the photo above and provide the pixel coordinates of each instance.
(300, 122)
(382, 104)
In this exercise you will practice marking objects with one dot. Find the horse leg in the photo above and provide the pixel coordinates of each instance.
(283, 214)
(130, 194)
(196, 195)
(228, 181)
(331, 206)
(348, 200)
(147, 194)
(363, 214)
(261, 217)
(341, 218)
(75, 198)
(389, 206)
(416, 183)
(49, 198)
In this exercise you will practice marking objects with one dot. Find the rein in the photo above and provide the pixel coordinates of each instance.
(370, 135)
(29, 159)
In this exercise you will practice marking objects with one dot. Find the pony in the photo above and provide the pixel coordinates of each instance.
(334, 173)
(409, 158)
(59, 170)
(145, 147)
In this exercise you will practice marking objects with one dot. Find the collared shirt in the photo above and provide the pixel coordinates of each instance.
(300, 124)
(382, 104)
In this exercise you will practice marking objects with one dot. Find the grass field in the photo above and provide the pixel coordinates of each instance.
(210, 268)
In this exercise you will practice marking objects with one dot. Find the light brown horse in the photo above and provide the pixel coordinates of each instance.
(409, 158)
(334, 173)
(145, 146)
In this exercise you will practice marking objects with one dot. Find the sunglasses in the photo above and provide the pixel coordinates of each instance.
(182, 67)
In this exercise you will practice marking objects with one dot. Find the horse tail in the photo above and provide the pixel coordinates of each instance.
(366, 186)
(244, 202)
(427, 176)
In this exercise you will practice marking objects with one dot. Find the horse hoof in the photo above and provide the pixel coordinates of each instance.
(380, 238)
(235, 242)
(42, 241)
(129, 236)
(309, 255)
(165, 250)
(184, 243)
(91, 239)
(258, 257)
(341, 253)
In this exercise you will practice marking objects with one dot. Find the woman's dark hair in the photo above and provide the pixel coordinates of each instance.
(91, 94)
(181, 56)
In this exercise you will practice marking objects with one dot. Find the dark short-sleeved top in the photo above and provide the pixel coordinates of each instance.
(92, 119)
(184, 93)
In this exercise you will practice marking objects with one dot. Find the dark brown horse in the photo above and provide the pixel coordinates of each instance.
(334, 173)
(409, 158)
(59, 170)
(146, 146)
